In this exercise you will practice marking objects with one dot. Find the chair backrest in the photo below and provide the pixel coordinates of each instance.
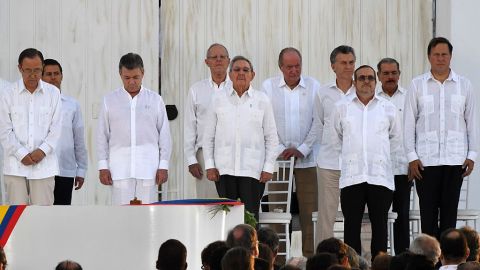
(279, 190)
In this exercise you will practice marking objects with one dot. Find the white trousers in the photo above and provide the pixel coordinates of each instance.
(127, 189)
(21, 190)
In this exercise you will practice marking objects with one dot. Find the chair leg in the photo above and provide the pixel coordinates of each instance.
(314, 234)
(287, 242)
(390, 237)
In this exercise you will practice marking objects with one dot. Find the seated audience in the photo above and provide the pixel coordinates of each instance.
(473, 241)
(400, 261)
(3, 259)
(269, 237)
(426, 245)
(238, 258)
(243, 235)
(207, 252)
(353, 258)
(172, 255)
(381, 261)
(336, 247)
(68, 265)
(470, 265)
(290, 267)
(338, 267)
(265, 253)
(419, 262)
(300, 262)
(321, 261)
(215, 262)
(454, 248)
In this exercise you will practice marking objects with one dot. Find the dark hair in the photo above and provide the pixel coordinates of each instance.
(334, 246)
(321, 261)
(29, 53)
(172, 255)
(269, 237)
(209, 249)
(387, 60)
(131, 61)
(215, 45)
(52, 62)
(453, 244)
(381, 261)
(289, 267)
(419, 262)
(215, 260)
(439, 40)
(400, 261)
(242, 235)
(237, 258)
(68, 265)
(240, 58)
(264, 252)
(364, 66)
(343, 49)
(472, 241)
(285, 50)
(471, 265)
(3, 257)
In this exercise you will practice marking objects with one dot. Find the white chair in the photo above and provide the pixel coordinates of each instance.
(392, 216)
(279, 204)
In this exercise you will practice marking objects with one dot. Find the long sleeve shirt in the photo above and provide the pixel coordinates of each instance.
(400, 164)
(440, 121)
(71, 150)
(328, 156)
(133, 136)
(293, 111)
(30, 121)
(240, 136)
(4, 84)
(368, 135)
(196, 108)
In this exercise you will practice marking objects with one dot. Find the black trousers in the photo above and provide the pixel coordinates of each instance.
(248, 190)
(401, 206)
(378, 199)
(63, 190)
(439, 192)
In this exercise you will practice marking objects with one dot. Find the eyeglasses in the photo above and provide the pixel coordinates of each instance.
(245, 69)
(216, 57)
(30, 71)
(363, 78)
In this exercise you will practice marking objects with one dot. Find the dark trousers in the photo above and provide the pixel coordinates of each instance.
(378, 199)
(401, 206)
(63, 190)
(439, 192)
(248, 190)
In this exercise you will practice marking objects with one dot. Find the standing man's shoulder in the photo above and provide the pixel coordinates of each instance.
(272, 83)
(200, 84)
(311, 81)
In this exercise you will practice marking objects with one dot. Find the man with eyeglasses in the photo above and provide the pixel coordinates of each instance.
(342, 62)
(292, 96)
(240, 138)
(30, 127)
(368, 133)
(198, 102)
(72, 153)
(388, 70)
(441, 139)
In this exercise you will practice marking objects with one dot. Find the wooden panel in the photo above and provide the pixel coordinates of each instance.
(322, 41)
(373, 32)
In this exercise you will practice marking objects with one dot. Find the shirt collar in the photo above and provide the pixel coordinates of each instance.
(452, 76)
(353, 96)
(128, 94)
(249, 92)
(282, 83)
(379, 91)
(213, 84)
(40, 86)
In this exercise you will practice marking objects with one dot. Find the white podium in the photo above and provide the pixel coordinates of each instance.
(111, 237)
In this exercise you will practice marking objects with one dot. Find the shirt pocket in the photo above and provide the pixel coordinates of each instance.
(458, 104)
(426, 104)
(223, 157)
(427, 145)
(44, 117)
(253, 159)
(379, 165)
(350, 164)
(18, 116)
(257, 117)
(455, 144)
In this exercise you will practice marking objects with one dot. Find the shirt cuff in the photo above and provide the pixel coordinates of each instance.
(21, 153)
(304, 149)
(191, 160)
(163, 165)
(103, 165)
(209, 164)
(472, 155)
(412, 156)
(81, 173)
(269, 167)
(47, 149)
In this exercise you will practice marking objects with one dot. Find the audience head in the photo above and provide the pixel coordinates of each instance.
(321, 261)
(265, 253)
(215, 262)
(172, 255)
(353, 258)
(419, 262)
(208, 251)
(68, 265)
(299, 262)
(3, 259)
(238, 258)
(52, 72)
(473, 242)
(336, 247)
(290, 267)
(400, 261)
(261, 264)
(454, 247)
(269, 237)
(381, 261)
(426, 245)
(363, 264)
(243, 235)
(471, 265)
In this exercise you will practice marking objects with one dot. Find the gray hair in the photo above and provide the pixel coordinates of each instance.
(426, 245)
(216, 45)
(240, 58)
(387, 60)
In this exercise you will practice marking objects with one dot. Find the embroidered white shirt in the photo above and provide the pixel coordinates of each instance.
(133, 137)
(240, 136)
(29, 121)
(440, 121)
